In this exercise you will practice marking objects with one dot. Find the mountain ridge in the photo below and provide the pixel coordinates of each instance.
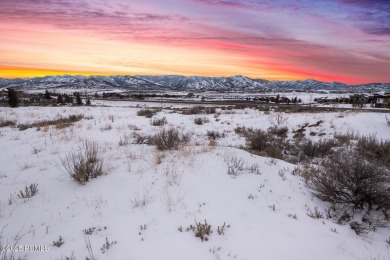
(182, 83)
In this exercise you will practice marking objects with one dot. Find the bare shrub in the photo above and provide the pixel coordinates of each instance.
(305, 171)
(278, 118)
(172, 174)
(159, 157)
(345, 138)
(214, 135)
(204, 230)
(254, 168)
(23, 127)
(194, 110)
(235, 164)
(5, 123)
(374, 150)
(201, 230)
(148, 113)
(171, 202)
(84, 164)
(107, 245)
(59, 242)
(106, 127)
(278, 131)
(142, 139)
(347, 179)
(243, 131)
(159, 122)
(367, 224)
(133, 127)
(321, 148)
(26, 165)
(124, 140)
(142, 199)
(273, 152)
(266, 143)
(201, 120)
(316, 214)
(298, 136)
(168, 139)
(259, 140)
(60, 123)
(29, 191)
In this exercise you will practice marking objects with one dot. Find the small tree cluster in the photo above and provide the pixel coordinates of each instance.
(13, 99)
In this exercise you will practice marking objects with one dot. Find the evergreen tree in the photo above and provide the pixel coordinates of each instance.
(13, 99)
(47, 94)
(79, 101)
(88, 102)
(277, 99)
(60, 100)
(67, 99)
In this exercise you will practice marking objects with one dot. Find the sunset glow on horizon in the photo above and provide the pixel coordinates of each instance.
(329, 40)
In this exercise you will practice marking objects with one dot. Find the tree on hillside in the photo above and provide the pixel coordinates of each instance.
(13, 99)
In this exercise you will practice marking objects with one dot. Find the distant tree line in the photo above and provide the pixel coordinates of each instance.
(16, 99)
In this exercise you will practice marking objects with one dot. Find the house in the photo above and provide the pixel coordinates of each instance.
(382, 101)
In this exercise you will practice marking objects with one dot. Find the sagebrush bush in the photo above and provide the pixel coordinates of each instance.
(374, 150)
(258, 140)
(167, 139)
(320, 148)
(142, 139)
(345, 138)
(267, 143)
(278, 131)
(201, 120)
(60, 123)
(159, 122)
(148, 113)
(85, 164)
(214, 135)
(195, 110)
(347, 178)
(5, 123)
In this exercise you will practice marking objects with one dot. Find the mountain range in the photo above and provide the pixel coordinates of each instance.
(182, 83)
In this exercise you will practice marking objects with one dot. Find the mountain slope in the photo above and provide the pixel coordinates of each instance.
(181, 83)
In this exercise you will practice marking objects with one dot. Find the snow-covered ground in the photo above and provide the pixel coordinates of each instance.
(148, 196)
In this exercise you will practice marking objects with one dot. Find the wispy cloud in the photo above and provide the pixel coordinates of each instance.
(329, 39)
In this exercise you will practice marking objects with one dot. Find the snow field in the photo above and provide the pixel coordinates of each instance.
(147, 194)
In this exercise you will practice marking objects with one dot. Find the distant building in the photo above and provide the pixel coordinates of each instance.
(382, 101)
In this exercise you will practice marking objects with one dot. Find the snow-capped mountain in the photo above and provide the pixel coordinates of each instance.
(181, 83)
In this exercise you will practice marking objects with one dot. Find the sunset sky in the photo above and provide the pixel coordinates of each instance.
(330, 40)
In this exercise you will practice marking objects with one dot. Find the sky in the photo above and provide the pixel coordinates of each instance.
(330, 40)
